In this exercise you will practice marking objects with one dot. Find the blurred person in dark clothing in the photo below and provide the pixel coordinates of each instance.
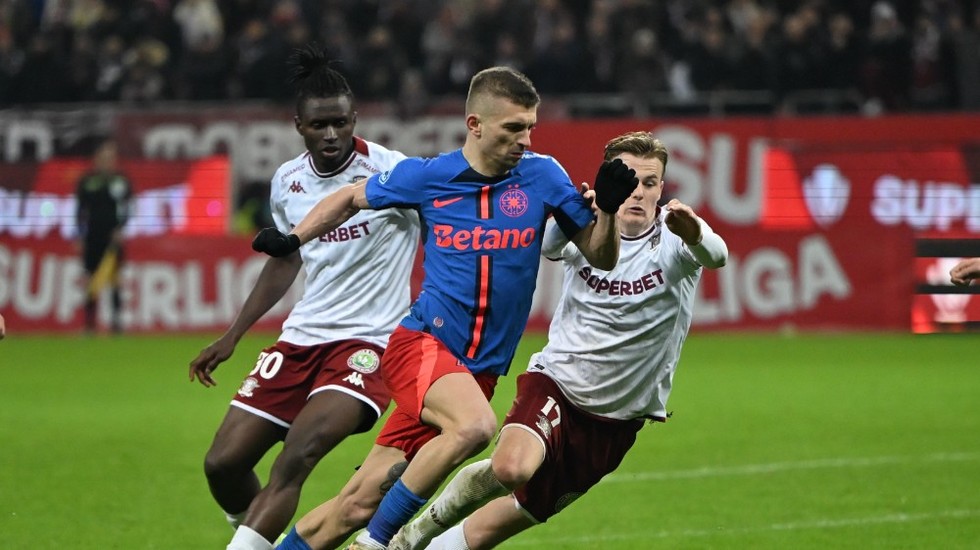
(103, 197)
(886, 72)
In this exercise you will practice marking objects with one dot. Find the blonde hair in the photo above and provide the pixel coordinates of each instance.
(640, 144)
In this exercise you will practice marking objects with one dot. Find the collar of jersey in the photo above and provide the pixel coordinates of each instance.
(360, 146)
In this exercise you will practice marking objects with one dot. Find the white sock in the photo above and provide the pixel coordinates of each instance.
(235, 519)
(472, 487)
(452, 539)
(247, 539)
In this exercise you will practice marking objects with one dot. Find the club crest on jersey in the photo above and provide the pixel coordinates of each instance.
(248, 387)
(655, 239)
(296, 187)
(365, 361)
(513, 202)
(356, 179)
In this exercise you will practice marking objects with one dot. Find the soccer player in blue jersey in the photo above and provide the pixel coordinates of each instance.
(483, 210)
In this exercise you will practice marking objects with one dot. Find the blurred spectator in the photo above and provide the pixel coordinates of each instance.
(843, 53)
(964, 43)
(145, 81)
(886, 68)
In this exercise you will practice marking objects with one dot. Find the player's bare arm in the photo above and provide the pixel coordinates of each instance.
(272, 284)
(599, 241)
(683, 222)
(328, 214)
(706, 245)
(331, 212)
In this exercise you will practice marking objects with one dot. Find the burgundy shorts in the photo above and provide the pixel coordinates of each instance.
(580, 448)
(413, 362)
(286, 375)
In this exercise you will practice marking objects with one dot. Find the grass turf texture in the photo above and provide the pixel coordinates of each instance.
(813, 441)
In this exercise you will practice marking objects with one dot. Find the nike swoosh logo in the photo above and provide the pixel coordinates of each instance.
(440, 203)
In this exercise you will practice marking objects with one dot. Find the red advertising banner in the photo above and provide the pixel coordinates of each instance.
(176, 283)
(821, 215)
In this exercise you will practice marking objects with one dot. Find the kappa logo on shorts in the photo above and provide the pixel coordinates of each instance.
(248, 387)
(365, 361)
(565, 500)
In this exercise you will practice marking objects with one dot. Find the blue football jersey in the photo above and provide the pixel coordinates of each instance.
(482, 242)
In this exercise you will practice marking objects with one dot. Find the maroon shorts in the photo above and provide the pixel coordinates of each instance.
(413, 362)
(580, 448)
(286, 375)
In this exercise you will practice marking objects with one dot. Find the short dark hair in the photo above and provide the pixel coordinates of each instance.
(640, 144)
(505, 83)
(312, 75)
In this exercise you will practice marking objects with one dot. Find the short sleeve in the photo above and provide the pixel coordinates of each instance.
(398, 187)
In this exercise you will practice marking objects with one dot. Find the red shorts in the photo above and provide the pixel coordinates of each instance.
(286, 375)
(580, 448)
(413, 362)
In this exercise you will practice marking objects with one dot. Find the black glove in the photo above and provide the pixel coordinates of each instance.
(613, 185)
(274, 243)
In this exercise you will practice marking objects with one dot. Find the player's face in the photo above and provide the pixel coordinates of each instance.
(327, 126)
(637, 214)
(505, 133)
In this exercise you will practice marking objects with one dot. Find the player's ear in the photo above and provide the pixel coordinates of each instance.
(353, 118)
(297, 122)
(473, 124)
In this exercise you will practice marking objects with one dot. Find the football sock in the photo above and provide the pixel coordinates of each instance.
(235, 519)
(293, 542)
(247, 539)
(453, 539)
(472, 487)
(397, 507)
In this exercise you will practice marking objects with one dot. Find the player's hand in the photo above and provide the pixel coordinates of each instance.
(588, 194)
(683, 222)
(275, 243)
(614, 182)
(965, 272)
(209, 359)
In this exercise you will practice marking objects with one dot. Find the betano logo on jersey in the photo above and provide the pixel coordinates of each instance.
(481, 238)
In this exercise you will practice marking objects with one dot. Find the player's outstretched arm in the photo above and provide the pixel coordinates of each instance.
(706, 245)
(275, 279)
(332, 211)
(965, 272)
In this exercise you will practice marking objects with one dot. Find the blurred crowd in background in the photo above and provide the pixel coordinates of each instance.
(890, 55)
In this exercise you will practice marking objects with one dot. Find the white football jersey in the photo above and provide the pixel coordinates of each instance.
(357, 276)
(616, 336)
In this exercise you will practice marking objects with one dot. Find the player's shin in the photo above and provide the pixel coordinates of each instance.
(472, 487)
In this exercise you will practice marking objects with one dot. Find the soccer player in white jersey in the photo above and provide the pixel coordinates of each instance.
(320, 382)
(613, 345)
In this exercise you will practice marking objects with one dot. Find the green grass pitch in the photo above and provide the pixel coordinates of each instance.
(810, 441)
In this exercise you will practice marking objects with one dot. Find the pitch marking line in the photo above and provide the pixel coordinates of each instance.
(754, 469)
(793, 526)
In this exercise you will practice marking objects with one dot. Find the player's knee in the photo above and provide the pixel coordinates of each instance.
(475, 436)
(510, 472)
(220, 465)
